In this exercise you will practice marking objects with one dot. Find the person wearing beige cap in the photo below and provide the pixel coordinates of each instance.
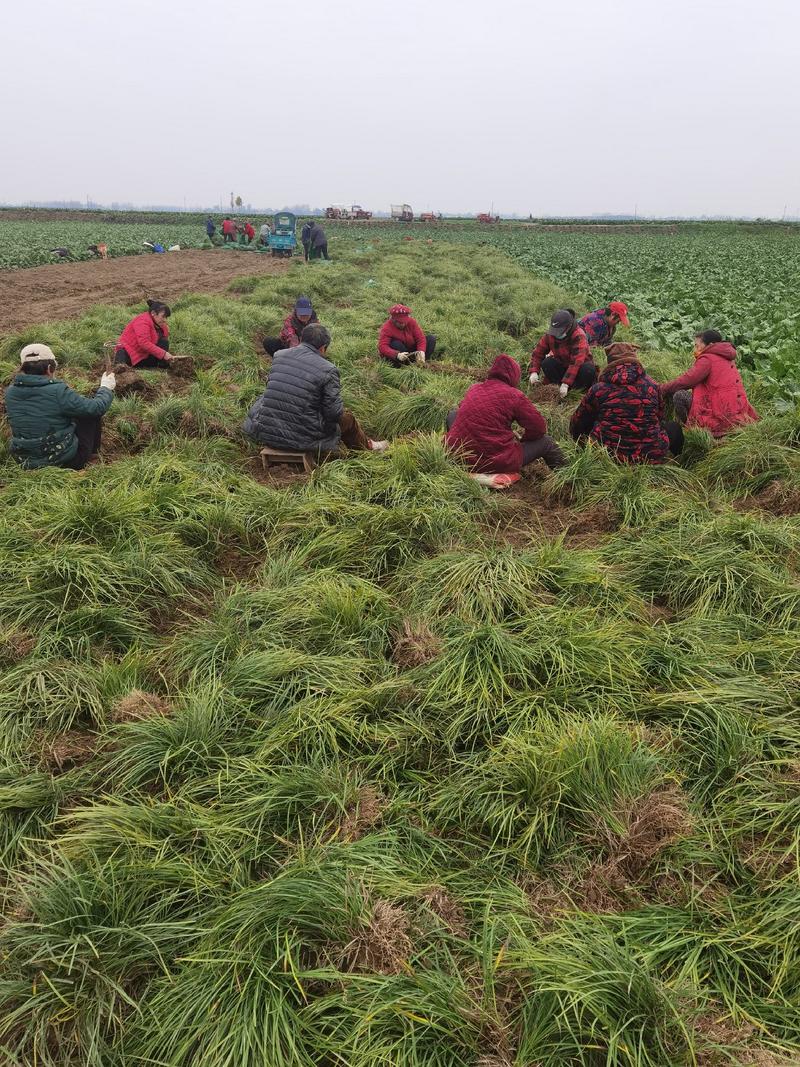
(51, 424)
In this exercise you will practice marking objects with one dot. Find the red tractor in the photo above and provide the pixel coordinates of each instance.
(428, 216)
(486, 217)
(358, 212)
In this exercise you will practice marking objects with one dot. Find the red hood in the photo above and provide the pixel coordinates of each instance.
(506, 369)
(720, 348)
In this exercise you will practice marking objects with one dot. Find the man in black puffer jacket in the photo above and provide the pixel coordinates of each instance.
(301, 409)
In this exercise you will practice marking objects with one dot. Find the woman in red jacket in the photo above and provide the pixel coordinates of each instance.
(711, 394)
(144, 341)
(401, 340)
(480, 429)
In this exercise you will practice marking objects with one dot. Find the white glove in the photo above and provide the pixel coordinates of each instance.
(419, 357)
(402, 357)
(563, 390)
(109, 381)
(534, 378)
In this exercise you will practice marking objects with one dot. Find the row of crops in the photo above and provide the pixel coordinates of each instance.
(379, 769)
(30, 244)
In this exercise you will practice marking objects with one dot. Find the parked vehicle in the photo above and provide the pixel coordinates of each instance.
(402, 213)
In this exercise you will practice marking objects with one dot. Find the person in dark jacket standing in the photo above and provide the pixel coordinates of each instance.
(711, 394)
(293, 325)
(317, 242)
(145, 340)
(623, 411)
(601, 325)
(51, 424)
(211, 229)
(481, 428)
(301, 409)
(563, 355)
(401, 340)
(305, 238)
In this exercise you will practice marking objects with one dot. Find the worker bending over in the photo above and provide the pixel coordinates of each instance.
(601, 325)
(317, 242)
(145, 340)
(481, 428)
(293, 325)
(301, 409)
(563, 356)
(623, 411)
(51, 424)
(711, 394)
(401, 340)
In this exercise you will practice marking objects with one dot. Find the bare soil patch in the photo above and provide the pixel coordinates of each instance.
(73, 748)
(415, 645)
(534, 511)
(138, 705)
(66, 291)
(778, 498)
(383, 945)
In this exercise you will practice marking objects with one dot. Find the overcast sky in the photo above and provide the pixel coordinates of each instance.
(568, 107)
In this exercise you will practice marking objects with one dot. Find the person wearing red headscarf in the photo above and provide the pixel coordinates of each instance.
(401, 341)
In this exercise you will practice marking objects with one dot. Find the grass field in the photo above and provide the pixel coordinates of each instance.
(378, 769)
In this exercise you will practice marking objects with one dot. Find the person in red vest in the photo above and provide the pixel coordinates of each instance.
(228, 231)
(248, 229)
(401, 340)
(480, 429)
(145, 340)
(711, 394)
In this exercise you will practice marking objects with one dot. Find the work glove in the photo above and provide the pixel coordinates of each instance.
(563, 390)
(419, 357)
(402, 357)
(534, 378)
(109, 381)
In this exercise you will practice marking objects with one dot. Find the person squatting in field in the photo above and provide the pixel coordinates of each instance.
(145, 340)
(623, 411)
(401, 340)
(563, 356)
(601, 325)
(711, 394)
(51, 424)
(480, 429)
(301, 409)
(293, 325)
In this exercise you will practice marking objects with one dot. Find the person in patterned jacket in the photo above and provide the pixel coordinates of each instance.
(563, 355)
(623, 411)
(601, 325)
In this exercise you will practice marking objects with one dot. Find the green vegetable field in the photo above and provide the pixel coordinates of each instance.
(375, 768)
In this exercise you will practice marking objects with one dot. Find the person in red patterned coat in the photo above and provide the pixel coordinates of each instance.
(563, 355)
(623, 411)
(401, 340)
(481, 427)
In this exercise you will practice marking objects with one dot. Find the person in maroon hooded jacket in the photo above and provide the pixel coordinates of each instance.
(711, 394)
(480, 429)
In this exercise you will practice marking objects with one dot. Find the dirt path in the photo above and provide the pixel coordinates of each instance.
(67, 290)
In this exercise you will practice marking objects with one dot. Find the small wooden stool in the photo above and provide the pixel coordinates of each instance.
(272, 457)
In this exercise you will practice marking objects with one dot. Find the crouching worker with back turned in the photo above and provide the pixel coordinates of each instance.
(51, 424)
(623, 411)
(481, 428)
(145, 340)
(301, 409)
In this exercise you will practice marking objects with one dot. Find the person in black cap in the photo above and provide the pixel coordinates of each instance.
(563, 356)
(293, 325)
